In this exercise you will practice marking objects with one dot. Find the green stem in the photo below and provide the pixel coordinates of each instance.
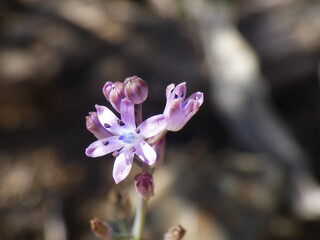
(123, 227)
(121, 236)
(139, 220)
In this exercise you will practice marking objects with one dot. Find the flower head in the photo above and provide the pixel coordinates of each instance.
(178, 110)
(126, 137)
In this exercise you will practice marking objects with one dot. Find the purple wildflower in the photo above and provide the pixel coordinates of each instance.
(178, 110)
(127, 137)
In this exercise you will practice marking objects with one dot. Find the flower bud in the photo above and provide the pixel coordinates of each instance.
(136, 89)
(175, 233)
(94, 126)
(101, 229)
(144, 185)
(114, 93)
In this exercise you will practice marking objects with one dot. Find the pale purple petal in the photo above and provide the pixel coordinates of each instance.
(198, 96)
(104, 146)
(106, 116)
(176, 115)
(180, 91)
(109, 120)
(153, 125)
(173, 93)
(94, 126)
(127, 113)
(168, 95)
(122, 166)
(146, 153)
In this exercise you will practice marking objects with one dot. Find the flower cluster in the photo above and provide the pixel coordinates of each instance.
(128, 135)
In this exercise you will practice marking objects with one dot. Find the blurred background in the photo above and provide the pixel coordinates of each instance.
(244, 167)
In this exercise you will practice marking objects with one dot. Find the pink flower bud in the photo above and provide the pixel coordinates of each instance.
(144, 185)
(175, 233)
(101, 229)
(114, 93)
(94, 126)
(136, 89)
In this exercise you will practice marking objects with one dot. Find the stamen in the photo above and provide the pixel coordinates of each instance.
(115, 154)
(106, 125)
(120, 122)
(137, 130)
(106, 143)
(133, 149)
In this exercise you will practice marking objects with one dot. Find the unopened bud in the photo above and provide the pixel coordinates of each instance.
(101, 229)
(136, 89)
(94, 126)
(144, 185)
(114, 93)
(175, 233)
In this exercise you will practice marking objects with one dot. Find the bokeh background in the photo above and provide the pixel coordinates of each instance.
(245, 167)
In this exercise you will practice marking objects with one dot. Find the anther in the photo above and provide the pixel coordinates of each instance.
(106, 125)
(115, 154)
(133, 149)
(106, 143)
(120, 122)
(137, 130)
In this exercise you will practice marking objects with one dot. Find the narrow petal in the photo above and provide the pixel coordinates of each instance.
(109, 120)
(180, 91)
(198, 96)
(104, 146)
(106, 116)
(122, 166)
(94, 126)
(153, 125)
(146, 153)
(176, 115)
(169, 91)
(127, 113)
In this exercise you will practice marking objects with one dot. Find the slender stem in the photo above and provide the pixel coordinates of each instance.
(139, 220)
(121, 236)
(138, 225)
(123, 227)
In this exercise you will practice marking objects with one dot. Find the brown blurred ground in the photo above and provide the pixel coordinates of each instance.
(54, 59)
